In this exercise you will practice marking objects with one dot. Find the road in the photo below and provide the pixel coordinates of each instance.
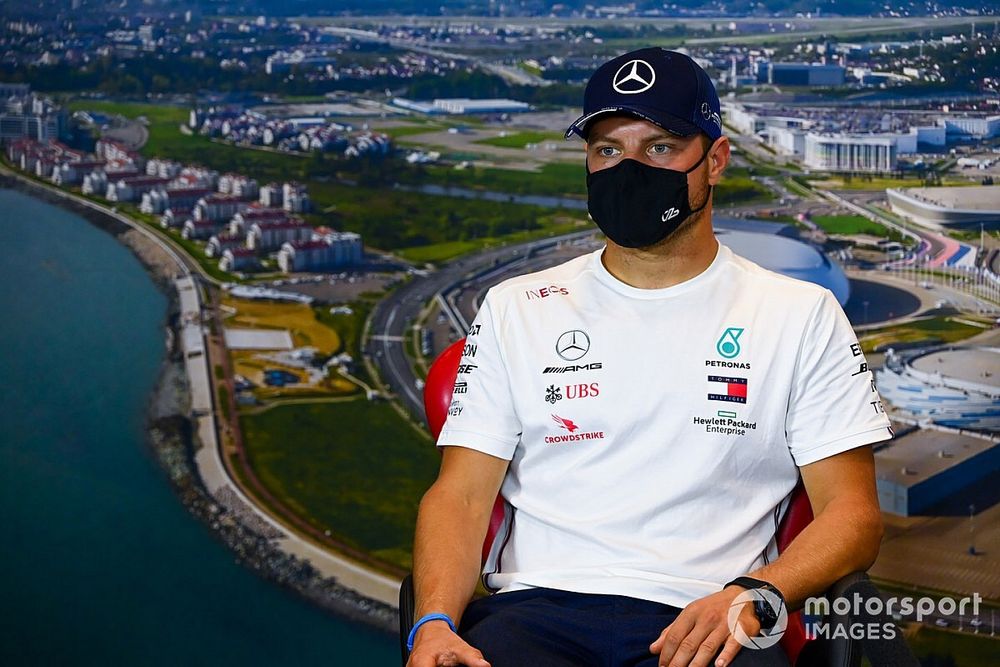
(393, 316)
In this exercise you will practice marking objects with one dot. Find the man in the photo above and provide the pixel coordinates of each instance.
(644, 411)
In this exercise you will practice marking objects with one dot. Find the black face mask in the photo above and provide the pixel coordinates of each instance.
(636, 205)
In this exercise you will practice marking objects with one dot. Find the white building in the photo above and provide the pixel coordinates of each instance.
(199, 229)
(852, 153)
(163, 168)
(323, 254)
(27, 116)
(942, 207)
(267, 237)
(175, 217)
(72, 173)
(95, 183)
(240, 223)
(238, 259)
(159, 200)
(271, 195)
(947, 386)
(132, 188)
(238, 185)
(219, 243)
(217, 208)
(295, 198)
(983, 127)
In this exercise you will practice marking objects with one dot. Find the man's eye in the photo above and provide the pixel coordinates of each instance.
(606, 151)
(659, 149)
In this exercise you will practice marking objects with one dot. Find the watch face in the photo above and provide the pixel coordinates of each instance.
(766, 616)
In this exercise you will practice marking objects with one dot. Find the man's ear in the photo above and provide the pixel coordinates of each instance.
(718, 159)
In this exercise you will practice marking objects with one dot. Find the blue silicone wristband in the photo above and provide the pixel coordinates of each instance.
(427, 618)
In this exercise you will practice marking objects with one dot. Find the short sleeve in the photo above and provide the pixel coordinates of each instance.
(833, 405)
(481, 415)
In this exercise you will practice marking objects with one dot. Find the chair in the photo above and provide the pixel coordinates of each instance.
(802, 649)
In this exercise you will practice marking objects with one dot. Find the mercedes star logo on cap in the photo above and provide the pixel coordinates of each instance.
(572, 345)
(635, 76)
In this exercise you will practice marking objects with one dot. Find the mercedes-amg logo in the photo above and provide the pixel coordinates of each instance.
(572, 345)
(635, 76)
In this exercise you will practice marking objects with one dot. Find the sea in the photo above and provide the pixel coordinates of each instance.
(100, 562)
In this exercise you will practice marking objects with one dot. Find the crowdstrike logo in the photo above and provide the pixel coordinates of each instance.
(572, 434)
(573, 345)
(758, 597)
(670, 214)
(565, 423)
(635, 76)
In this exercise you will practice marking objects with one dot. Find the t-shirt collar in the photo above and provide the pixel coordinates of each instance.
(722, 256)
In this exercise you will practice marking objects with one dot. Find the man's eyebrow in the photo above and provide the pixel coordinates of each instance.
(657, 136)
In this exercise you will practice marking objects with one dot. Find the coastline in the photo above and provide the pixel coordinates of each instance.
(172, 440)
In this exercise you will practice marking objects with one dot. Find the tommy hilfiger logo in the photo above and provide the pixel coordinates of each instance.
(736, 389)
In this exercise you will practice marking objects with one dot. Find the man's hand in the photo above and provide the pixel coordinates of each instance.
(435, 645)
(702, 629)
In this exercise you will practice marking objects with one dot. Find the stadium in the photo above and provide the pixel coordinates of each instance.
(939, 208)
(954, 387)
(758, 242)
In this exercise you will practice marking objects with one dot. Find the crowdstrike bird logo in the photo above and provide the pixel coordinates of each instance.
(670, 214)
(635, 76)
(565, 423)
(573, 345)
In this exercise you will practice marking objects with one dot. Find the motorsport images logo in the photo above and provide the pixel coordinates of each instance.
(757, 597)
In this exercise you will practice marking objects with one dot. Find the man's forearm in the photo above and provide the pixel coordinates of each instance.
(446, 553)
(843, 538)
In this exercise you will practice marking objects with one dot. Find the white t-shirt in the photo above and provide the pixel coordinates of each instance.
(653, 434)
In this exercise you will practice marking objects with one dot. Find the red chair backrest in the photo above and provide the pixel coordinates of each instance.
(437, 398)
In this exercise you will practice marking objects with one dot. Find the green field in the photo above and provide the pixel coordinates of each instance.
(933, 330)
(356, 469)
(849, 224)
(880, 183)
(521, 139)
(944, 648)
(441, 252)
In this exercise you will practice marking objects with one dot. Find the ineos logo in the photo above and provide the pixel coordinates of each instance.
(635, 76)
(573, 345)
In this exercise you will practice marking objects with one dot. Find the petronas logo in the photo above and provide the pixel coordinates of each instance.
(729, 343)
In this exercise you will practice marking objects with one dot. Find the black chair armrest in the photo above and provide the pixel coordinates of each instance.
(406, 603)
(842, 650)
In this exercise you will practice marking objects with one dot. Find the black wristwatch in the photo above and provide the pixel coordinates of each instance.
(766, 615)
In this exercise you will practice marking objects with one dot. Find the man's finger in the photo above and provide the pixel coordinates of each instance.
(671, 637)
(685, 649)
(729, 652)
(471, 657)
(710, 646)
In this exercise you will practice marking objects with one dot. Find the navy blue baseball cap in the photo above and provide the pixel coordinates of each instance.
(664, 87)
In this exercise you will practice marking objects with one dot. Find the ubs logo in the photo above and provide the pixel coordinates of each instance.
(573, 345)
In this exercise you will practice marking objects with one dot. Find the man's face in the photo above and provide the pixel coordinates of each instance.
(616, 138)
